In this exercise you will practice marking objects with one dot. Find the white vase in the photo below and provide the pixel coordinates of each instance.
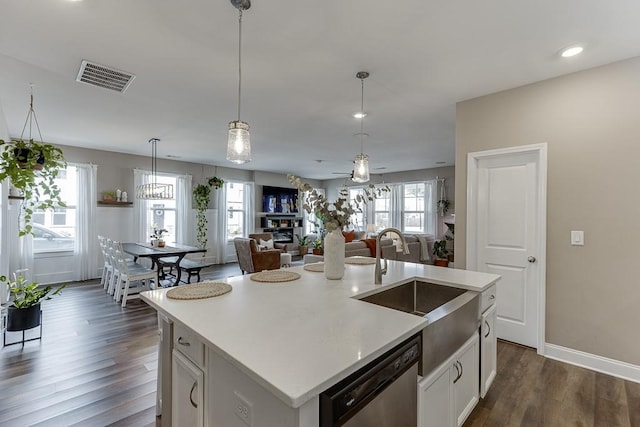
(334, 255)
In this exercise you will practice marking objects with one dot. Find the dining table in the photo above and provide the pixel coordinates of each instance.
(171, 255)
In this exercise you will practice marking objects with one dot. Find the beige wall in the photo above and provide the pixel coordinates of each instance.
(591, 122)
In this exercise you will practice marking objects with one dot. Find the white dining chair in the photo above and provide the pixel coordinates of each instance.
(132, 278)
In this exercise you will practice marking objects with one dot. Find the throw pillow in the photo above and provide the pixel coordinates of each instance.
(267, 243)
(349, 236)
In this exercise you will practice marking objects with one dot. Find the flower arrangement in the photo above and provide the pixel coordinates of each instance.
(335, 215)
(158, 232)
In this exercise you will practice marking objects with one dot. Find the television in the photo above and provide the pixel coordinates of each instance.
(279, 200)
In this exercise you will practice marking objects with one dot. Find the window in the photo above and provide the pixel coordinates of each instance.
(162, 213)
(235, 209)
(55, 230)
(382, 211)
(413, 209)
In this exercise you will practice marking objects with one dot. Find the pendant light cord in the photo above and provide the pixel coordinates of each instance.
(239, 59)
(362, 118)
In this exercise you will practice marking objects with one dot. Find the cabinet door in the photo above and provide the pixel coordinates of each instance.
(187, 392)
(488, 350)
(465, 385)
(435, 398)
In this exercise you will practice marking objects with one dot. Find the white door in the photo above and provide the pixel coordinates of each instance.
(506, 219)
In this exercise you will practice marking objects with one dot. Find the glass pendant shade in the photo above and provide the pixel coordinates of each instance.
(239, 143)
(361, 168)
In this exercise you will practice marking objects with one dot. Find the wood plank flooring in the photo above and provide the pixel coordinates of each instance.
(96, 366)
(530, 390)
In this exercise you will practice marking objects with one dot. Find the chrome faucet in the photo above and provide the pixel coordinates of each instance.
(402, 247)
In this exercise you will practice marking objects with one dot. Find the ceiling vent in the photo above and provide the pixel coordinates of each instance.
(103, 76)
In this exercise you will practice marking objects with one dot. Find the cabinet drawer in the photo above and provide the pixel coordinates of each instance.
(488, 298)
(188, 344)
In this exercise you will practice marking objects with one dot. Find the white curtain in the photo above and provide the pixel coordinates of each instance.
(431, 216)
(86, 243)
(221, 238)
(249, 208)
(141, 207)
(184, 211)
(397, 206)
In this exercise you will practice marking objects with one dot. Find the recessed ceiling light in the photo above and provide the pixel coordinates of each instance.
(359, 115)
(571, 51)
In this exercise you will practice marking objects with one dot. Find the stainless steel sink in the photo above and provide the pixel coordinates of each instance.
(453, 315)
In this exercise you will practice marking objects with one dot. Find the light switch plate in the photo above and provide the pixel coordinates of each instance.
(577, 238)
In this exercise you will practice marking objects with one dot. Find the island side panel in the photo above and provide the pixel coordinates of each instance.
(228, 387)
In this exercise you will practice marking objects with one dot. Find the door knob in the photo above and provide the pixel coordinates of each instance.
(531, 259)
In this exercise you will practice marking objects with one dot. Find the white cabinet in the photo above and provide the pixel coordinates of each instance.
(447, 395)
(187, 379)
(488, 348)
(187, 383)
(488, 340)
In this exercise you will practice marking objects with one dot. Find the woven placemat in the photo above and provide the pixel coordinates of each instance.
(199, 290)
(275, 276)
(316, 266)
(357, 260)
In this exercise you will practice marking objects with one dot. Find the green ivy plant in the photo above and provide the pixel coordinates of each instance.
(28, 294)
(201, 198)
(32, 167)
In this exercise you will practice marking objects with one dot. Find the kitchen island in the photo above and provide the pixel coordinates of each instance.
(269, 349)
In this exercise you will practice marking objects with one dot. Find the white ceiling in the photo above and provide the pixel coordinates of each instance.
(299, 64)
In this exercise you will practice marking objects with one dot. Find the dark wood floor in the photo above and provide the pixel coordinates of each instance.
(531, 390)
(96, 366)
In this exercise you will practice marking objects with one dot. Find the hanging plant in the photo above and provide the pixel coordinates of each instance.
(32, 167)
(201, 198)
(216, 182)
(443, 206)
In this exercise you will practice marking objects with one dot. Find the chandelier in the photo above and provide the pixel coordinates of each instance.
(361, 162)
(153, 190)
(238, 142)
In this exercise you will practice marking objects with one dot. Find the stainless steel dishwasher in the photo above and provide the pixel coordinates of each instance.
(382, 394)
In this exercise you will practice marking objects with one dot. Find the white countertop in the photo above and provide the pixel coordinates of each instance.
(298, 338)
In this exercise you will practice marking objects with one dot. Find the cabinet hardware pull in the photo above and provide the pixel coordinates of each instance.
(488, 327)
(459, 373)
(531, 259)
(194, 404)
(492, 296)
(184, 343)
(461, 369)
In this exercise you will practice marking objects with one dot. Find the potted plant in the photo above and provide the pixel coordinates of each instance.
(443, 206)
(317, 247)
(156, 237)
(32, 167)
(216, 182)
(440, 251)
(303, 244)
(24, 311)
(108, 196)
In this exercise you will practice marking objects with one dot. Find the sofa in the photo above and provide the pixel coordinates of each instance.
(389, 250)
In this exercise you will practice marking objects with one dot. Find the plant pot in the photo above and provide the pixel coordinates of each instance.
(317, 251)
(22, 155)
(161, 243)
(20, 319)
(441, 263)
(303, 250)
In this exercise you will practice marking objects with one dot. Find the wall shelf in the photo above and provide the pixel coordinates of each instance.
(114, 203)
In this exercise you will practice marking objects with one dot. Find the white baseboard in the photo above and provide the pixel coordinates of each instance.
(616, 368)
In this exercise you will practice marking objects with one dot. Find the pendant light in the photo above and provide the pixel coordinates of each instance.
(361, 162)
(153, 190)
(239, 143)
